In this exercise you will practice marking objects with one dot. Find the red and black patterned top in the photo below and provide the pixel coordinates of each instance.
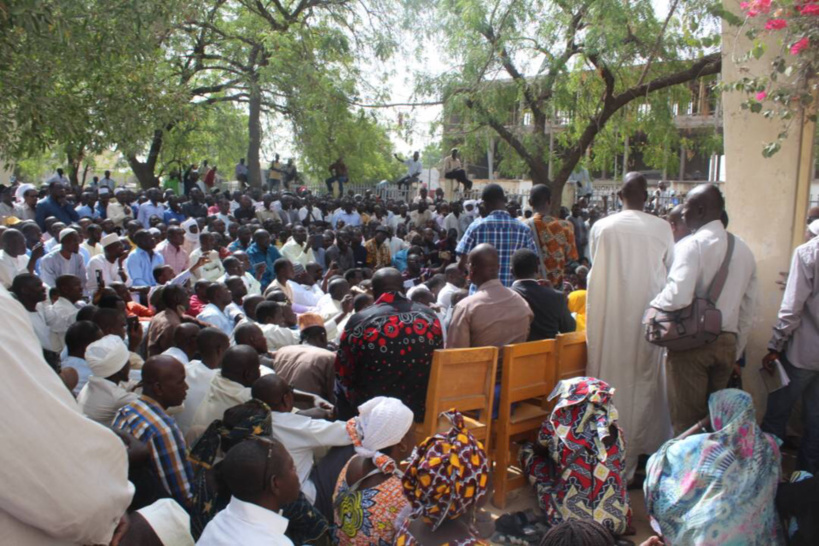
(386, 350)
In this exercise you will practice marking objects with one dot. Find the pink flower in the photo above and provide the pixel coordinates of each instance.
(810, 9)
(755, 7)
(762, 95)
(797, 48)
(776, 24)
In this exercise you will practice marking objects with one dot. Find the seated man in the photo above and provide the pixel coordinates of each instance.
(262, 478)
(103, 395)
(271, 318)
(163, 386)
(309, 367)
(552, 314)
(300, 434)
(386, 350)
(494, 315)
(79, 336)
(214, 313)
(229, 387)
(211, 344)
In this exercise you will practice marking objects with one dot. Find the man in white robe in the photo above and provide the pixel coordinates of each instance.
(48, 497)
(631, 252)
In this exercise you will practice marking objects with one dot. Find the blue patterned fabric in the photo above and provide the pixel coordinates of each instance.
(718, 488)
(503, 232)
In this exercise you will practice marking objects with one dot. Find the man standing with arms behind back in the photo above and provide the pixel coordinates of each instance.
(631, 252)
(696, 373)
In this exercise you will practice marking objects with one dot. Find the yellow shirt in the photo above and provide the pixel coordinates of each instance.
(577, 305)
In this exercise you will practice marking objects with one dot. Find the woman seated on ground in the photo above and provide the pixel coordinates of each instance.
(445, 481)
(578, 461)
(211, 495)
(717, 487)
(368, 495)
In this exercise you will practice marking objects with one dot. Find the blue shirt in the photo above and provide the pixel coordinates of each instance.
(257, 255)
(48, 207)
(83, 371)
(504, 233)
(148, 209)
(171, 215)
(85, 210)
(218, 318)
(140, 267)
(352, 219)
(101, 212)
(53, 265)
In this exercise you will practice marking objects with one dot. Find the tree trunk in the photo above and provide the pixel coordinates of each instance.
(254, 133)
(74, 155)
(144, 170)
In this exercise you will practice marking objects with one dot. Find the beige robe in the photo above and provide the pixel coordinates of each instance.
(631, 252)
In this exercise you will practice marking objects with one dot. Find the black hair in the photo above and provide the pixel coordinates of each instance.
(525, 263)
(539, 195)
(574, 532)
(280, 264)
(81, 334)
(267, 310)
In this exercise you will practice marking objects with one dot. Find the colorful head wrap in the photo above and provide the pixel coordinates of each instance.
(447, 475)
(583, 415)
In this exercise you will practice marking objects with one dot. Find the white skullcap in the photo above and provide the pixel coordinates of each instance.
(814, 227)
(382, 422)
(169, 521)
(109, 239)
(103, 190)
(418, 288)
(65, 233)
(107, 356)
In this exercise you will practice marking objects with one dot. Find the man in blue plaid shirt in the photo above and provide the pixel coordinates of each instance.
(163, 387)
(500, 230)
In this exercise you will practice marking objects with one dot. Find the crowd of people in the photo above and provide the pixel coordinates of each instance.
(189, 364)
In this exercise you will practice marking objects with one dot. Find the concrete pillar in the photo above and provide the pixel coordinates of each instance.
(756, 187)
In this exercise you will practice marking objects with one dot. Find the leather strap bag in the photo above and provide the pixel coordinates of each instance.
(694, 326)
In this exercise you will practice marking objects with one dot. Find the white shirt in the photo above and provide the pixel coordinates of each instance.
(198, 378)
(48, 498)
(315, 214)
(11, 267)
(178, 354)
(64, 314)
(297, 253)
(100, 399)
(254, 287)
(110, 273)
(81, 366)
(215, 316)
(301, 435)
(697, 259)
(413, 167)
(329, 308)
(245, 523)
(40, 320)
(396, 245)
(212, 271)
(307, 296)
(445, 295)
(221, 394)
(279, 336)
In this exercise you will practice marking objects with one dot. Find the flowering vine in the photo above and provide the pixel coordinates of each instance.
(793, 79)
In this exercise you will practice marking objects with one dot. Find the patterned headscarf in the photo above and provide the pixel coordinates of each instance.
(583, 411)
(240, 422)
(447, 474)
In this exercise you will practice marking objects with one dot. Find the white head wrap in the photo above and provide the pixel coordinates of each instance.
(169, 521)
(814, 227)
(107, 356)
(382, 422)
(189, 235)
(22, 189)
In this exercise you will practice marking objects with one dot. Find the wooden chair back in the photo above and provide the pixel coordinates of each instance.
(572, 356)
(527, 379)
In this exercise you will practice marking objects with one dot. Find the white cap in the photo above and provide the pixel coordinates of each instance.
(814, 227)
(154, 231)
(103, 190)
(169, 521)
(109, 239)
(107, 356)
(65, 233)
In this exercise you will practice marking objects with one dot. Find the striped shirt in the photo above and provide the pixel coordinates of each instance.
(504, 233)
(147, 421)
